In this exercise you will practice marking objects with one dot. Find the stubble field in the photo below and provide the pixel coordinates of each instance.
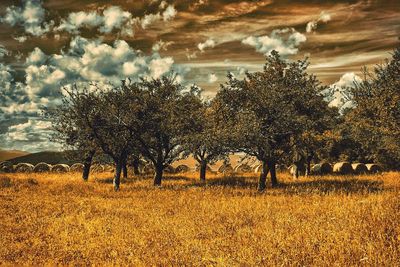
(337, 221)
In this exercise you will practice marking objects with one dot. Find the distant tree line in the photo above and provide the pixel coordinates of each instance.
(276, 115)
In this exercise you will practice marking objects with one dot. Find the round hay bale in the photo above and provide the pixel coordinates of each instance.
(97, 168)
(257, 168)
(6, 166)
(242, 168)
(60, 168)
(322, 168)
(148, 168)
(342, 168)
(77, 167)
(109, 168)
(359, 168)
(42, 167)
(169, 169)
(224, 168)
(374, 168)
(24, 167)
(291, 169)
(182, 168)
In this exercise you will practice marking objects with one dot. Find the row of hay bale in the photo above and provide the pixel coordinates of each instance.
(322, 168)
(7, 166)
(345, 168)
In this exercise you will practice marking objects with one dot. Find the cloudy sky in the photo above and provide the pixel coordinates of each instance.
(49, 43)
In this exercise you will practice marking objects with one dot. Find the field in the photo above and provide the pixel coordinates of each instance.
(59, 219)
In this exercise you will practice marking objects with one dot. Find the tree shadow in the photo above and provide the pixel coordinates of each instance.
(232, 181)
(325, 186)
(317, 186)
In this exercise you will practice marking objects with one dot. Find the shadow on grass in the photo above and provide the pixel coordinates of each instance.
(325, 186)
(318, 185)
(129, 180)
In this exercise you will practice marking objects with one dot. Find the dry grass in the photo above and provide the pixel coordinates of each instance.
(58, 219)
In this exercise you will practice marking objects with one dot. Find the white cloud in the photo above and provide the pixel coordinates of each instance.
(338, 94)
(324, 17)
(212, 78)
(169, 13)
(81, 19)
(149, 19)
(210, 43)
(87, 60)
(31, 16)
(161, 45)
(112, 18)
(21, 39)
(313, 25)
(5, 78)
(160, 66)
(190, 55)
(36, 57)
(3, 51)
(82, 61)
(285, 41)
(166, 15)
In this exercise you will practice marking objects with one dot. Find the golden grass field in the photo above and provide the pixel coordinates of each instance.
(331, 221)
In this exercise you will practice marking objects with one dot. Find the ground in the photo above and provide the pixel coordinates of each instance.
(59, 219)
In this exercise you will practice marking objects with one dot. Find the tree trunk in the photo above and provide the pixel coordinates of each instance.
(117, 175)
(308, 167)
(135, 164)
(272, 170)
(86, 165)
(124, 170)
(158, 174)
(262, 182)
(203, 170)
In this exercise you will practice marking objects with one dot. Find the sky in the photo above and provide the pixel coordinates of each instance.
(47, 44)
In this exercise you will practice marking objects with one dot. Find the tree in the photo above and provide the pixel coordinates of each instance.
(67, 127)
(312, 142)
(205, 142)
(162, 120)
(267, 111)
(94, 115)
(375, 119)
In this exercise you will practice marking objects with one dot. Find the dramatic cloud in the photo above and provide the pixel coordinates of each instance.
(313, 25)
(210, 43)
(31, 16)
(193, 37)
(285, 41)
